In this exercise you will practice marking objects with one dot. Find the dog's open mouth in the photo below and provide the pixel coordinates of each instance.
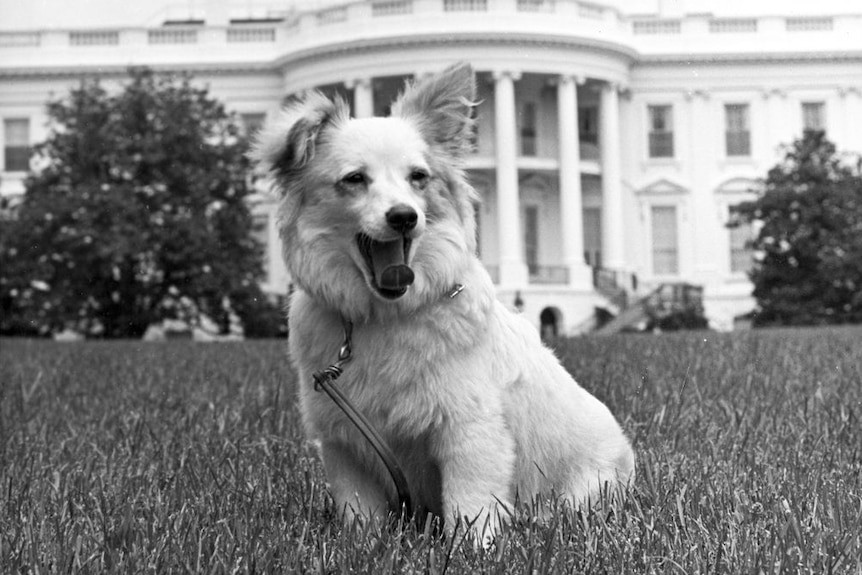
(387, 264)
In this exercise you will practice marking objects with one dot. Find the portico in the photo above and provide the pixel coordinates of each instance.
(510, 167)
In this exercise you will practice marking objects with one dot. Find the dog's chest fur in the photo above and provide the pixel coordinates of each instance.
(407, 375)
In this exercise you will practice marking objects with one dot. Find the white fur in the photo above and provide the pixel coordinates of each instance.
(476, 409)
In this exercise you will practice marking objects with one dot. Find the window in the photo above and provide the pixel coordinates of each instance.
(665, 249)
(252, 123)
(528, 129)
(660, 131)
(593, 236)
(740, 251)
(737, 134)
(260, 232)
(477, 212)
(531, 238)
(813, 116)
(588, 121)
(16, 151)
(474, 132)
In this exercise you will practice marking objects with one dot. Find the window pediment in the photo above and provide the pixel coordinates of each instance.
(663, 187)
(739, 186)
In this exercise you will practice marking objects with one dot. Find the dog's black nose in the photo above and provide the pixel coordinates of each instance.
(402, 218)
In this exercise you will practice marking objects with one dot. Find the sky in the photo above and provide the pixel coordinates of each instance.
(59, 14)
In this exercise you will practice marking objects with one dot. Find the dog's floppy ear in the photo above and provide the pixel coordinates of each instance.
(442, 108)
(287, 144)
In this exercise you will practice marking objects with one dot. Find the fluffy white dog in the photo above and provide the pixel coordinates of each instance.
(378, 227)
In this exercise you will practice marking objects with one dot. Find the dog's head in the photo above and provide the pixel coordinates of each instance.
(376, 211)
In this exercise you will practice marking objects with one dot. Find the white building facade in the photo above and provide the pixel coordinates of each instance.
(610, 146)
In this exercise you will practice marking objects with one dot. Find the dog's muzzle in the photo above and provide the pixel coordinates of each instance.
(387, 263)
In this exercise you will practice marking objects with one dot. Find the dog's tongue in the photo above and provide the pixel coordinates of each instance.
(390, 269)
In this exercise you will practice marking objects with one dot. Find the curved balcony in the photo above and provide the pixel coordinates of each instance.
(375, 21)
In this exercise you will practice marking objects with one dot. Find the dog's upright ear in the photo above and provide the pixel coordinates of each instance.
(287, 144)
(442, 108)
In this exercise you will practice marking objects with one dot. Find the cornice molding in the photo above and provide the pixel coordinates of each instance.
(277, 65)
(120, 70)
(480, 39)
(749, 58)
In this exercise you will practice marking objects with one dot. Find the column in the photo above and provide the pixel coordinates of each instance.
(780, 124)
(613, 223)
(853, 111)
(849, 117)
(513, 270)
(707, 232)
(363, 97)
(571, 208)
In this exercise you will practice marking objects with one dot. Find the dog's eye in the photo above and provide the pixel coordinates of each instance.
(419, 176)
(354, 178)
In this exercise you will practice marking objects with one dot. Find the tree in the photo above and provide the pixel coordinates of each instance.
(808, 269)
(136, 212)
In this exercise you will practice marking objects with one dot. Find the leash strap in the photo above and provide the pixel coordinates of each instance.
(325, 380)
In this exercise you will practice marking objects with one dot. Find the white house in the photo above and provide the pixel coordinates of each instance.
(610, 144)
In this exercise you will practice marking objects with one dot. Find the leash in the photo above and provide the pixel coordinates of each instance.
(325, 380)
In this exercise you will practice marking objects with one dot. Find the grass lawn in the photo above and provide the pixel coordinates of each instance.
(183, 457)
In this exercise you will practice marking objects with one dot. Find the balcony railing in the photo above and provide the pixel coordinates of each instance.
(537, 5)
(656, 27)
(288, 27)
(251, 34)
(615, 285)
(332, 16)
(465, 5)
(809, 24)
(172, 36)
(699, 27)
(391, 7)
(733, 26)
(20, 39)
(549, 275)
(275, 38)
(94, 38)
(591, 11)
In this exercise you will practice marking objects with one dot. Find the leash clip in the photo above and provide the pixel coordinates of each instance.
(456, 289)
(335, 370)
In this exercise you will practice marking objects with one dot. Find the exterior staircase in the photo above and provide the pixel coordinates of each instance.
(629, 317)
(664, 301)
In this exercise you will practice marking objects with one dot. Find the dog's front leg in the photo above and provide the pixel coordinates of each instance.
(477, 462)
(354, 488)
